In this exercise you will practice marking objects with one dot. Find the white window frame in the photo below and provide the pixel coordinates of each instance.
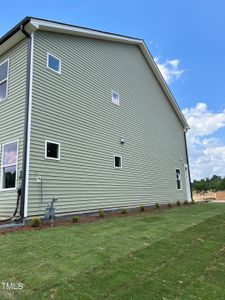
(10, 165)
(59, 150)
(121, 159)
(113, 92)
(180, 179)
(7, 79)
(49, 54)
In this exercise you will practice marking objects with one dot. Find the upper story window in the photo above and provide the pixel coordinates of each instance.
(52, 150)
(4, 70)
(53, 63)
(9, 165)
(178, 177)
(115, 98)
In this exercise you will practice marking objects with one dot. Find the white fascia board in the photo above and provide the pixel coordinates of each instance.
(91, 33)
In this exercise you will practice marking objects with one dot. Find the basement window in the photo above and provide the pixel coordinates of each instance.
(53, 63)
(9, 165)
(117, 161)
(115, 98)
(4, 70)
(52, 150)
(178, 178)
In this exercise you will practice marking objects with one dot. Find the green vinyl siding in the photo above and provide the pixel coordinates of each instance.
(74, 108)
(12, 116)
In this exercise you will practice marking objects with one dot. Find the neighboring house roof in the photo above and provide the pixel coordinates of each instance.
(31, 24)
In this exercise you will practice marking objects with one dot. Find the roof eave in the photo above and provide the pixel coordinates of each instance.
(163, 84)
(14, 30)
(32, 24)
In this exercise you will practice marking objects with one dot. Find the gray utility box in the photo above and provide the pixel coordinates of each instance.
(49, 212)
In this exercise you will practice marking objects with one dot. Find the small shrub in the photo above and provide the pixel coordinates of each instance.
(35, 222)
(169, 205)
(157, 205)
(101, 213)
(185, 202)
(76, 219)
(192, 201)
(178, 203)
(124, 211)
(142, 208)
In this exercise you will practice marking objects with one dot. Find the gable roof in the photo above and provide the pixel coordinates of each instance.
(32, 24)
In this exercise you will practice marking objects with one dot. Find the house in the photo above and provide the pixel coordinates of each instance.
(86, 116)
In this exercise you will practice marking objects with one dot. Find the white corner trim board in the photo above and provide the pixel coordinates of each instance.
(29, 129)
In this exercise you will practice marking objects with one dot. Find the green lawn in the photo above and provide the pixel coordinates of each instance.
(175, 254)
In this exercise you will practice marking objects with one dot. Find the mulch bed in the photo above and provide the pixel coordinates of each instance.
(89, 218)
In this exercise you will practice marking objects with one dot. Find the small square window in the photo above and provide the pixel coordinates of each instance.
(52, 150)
(54, 63)
(115, 98)
(117, 161)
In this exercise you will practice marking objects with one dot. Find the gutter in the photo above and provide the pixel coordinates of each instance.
(14, 30)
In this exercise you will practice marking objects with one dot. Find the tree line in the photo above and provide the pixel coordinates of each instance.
(215, 183)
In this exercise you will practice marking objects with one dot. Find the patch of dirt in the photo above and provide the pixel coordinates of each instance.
(89, 218)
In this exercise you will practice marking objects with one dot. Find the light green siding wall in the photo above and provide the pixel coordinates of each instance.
(75, 110)
(12, 115)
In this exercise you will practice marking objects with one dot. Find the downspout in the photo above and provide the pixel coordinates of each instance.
(26, 123)
(186, 150)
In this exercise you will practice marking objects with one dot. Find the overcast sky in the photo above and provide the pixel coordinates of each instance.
(186, 39)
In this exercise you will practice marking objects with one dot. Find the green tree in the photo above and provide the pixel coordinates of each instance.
(215, 183)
